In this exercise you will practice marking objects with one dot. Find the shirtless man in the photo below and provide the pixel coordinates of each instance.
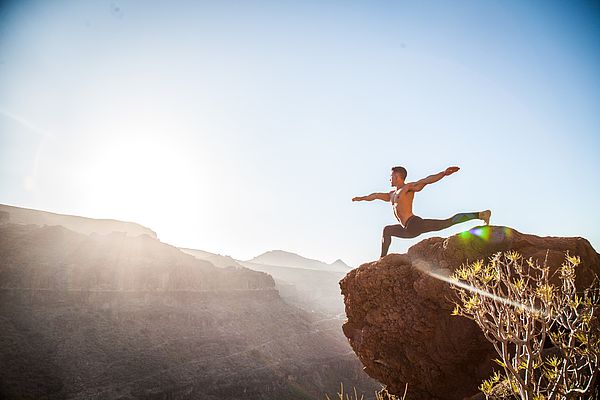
(402, 198)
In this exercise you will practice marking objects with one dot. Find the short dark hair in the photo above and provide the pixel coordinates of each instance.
(401, 171)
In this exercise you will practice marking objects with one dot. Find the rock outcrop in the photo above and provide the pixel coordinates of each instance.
(399, 320)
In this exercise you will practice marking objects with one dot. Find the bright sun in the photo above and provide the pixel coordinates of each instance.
(140, 180)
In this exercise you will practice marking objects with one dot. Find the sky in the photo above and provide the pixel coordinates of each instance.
(239, 127)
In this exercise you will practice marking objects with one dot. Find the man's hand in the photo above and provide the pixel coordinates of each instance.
(359, 198)
(450, 170)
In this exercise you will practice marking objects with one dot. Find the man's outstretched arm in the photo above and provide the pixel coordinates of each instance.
(420, 184)
(373, 196)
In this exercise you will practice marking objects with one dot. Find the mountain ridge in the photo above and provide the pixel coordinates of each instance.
(290, 259)
(119, 316)
(81, 224)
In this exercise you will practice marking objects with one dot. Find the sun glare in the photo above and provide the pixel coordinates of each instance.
(140, 180)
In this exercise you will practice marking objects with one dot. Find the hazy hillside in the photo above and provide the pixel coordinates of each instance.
(216, 259)
(54, 257)
(310, 289)
(20, 215)
(314, 290)
(113, 316)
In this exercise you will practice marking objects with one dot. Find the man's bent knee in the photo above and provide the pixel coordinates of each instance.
(396, 231)
(388, 230)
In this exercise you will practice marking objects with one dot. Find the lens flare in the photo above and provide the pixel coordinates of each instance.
(465, 236)
(482, 232)
(486, 234)
(442, 275)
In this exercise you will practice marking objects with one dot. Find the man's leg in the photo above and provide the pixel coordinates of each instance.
(420, 225)
(393, 230)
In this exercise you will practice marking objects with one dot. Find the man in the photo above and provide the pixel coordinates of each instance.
(402, 198)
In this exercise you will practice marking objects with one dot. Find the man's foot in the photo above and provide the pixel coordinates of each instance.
(485, 216)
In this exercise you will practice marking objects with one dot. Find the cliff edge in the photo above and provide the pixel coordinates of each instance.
(399, 320)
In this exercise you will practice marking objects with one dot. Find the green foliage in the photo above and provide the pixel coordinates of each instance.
(382, 394)
(347, 396)
(488, 385)
(518, 307)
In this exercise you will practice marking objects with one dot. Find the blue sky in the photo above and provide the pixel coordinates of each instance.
(239, 127)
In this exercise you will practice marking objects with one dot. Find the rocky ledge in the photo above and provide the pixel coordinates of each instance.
(399, 320)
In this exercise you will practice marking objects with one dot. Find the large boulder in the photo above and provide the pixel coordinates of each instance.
(399, 314)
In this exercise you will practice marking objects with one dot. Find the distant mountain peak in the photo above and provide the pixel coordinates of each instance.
(281, 253)
(289, 259)
(340, 262)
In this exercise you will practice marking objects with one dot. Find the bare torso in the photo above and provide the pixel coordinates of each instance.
(402, 200)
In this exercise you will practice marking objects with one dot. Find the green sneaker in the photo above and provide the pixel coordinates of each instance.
(485, 216)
